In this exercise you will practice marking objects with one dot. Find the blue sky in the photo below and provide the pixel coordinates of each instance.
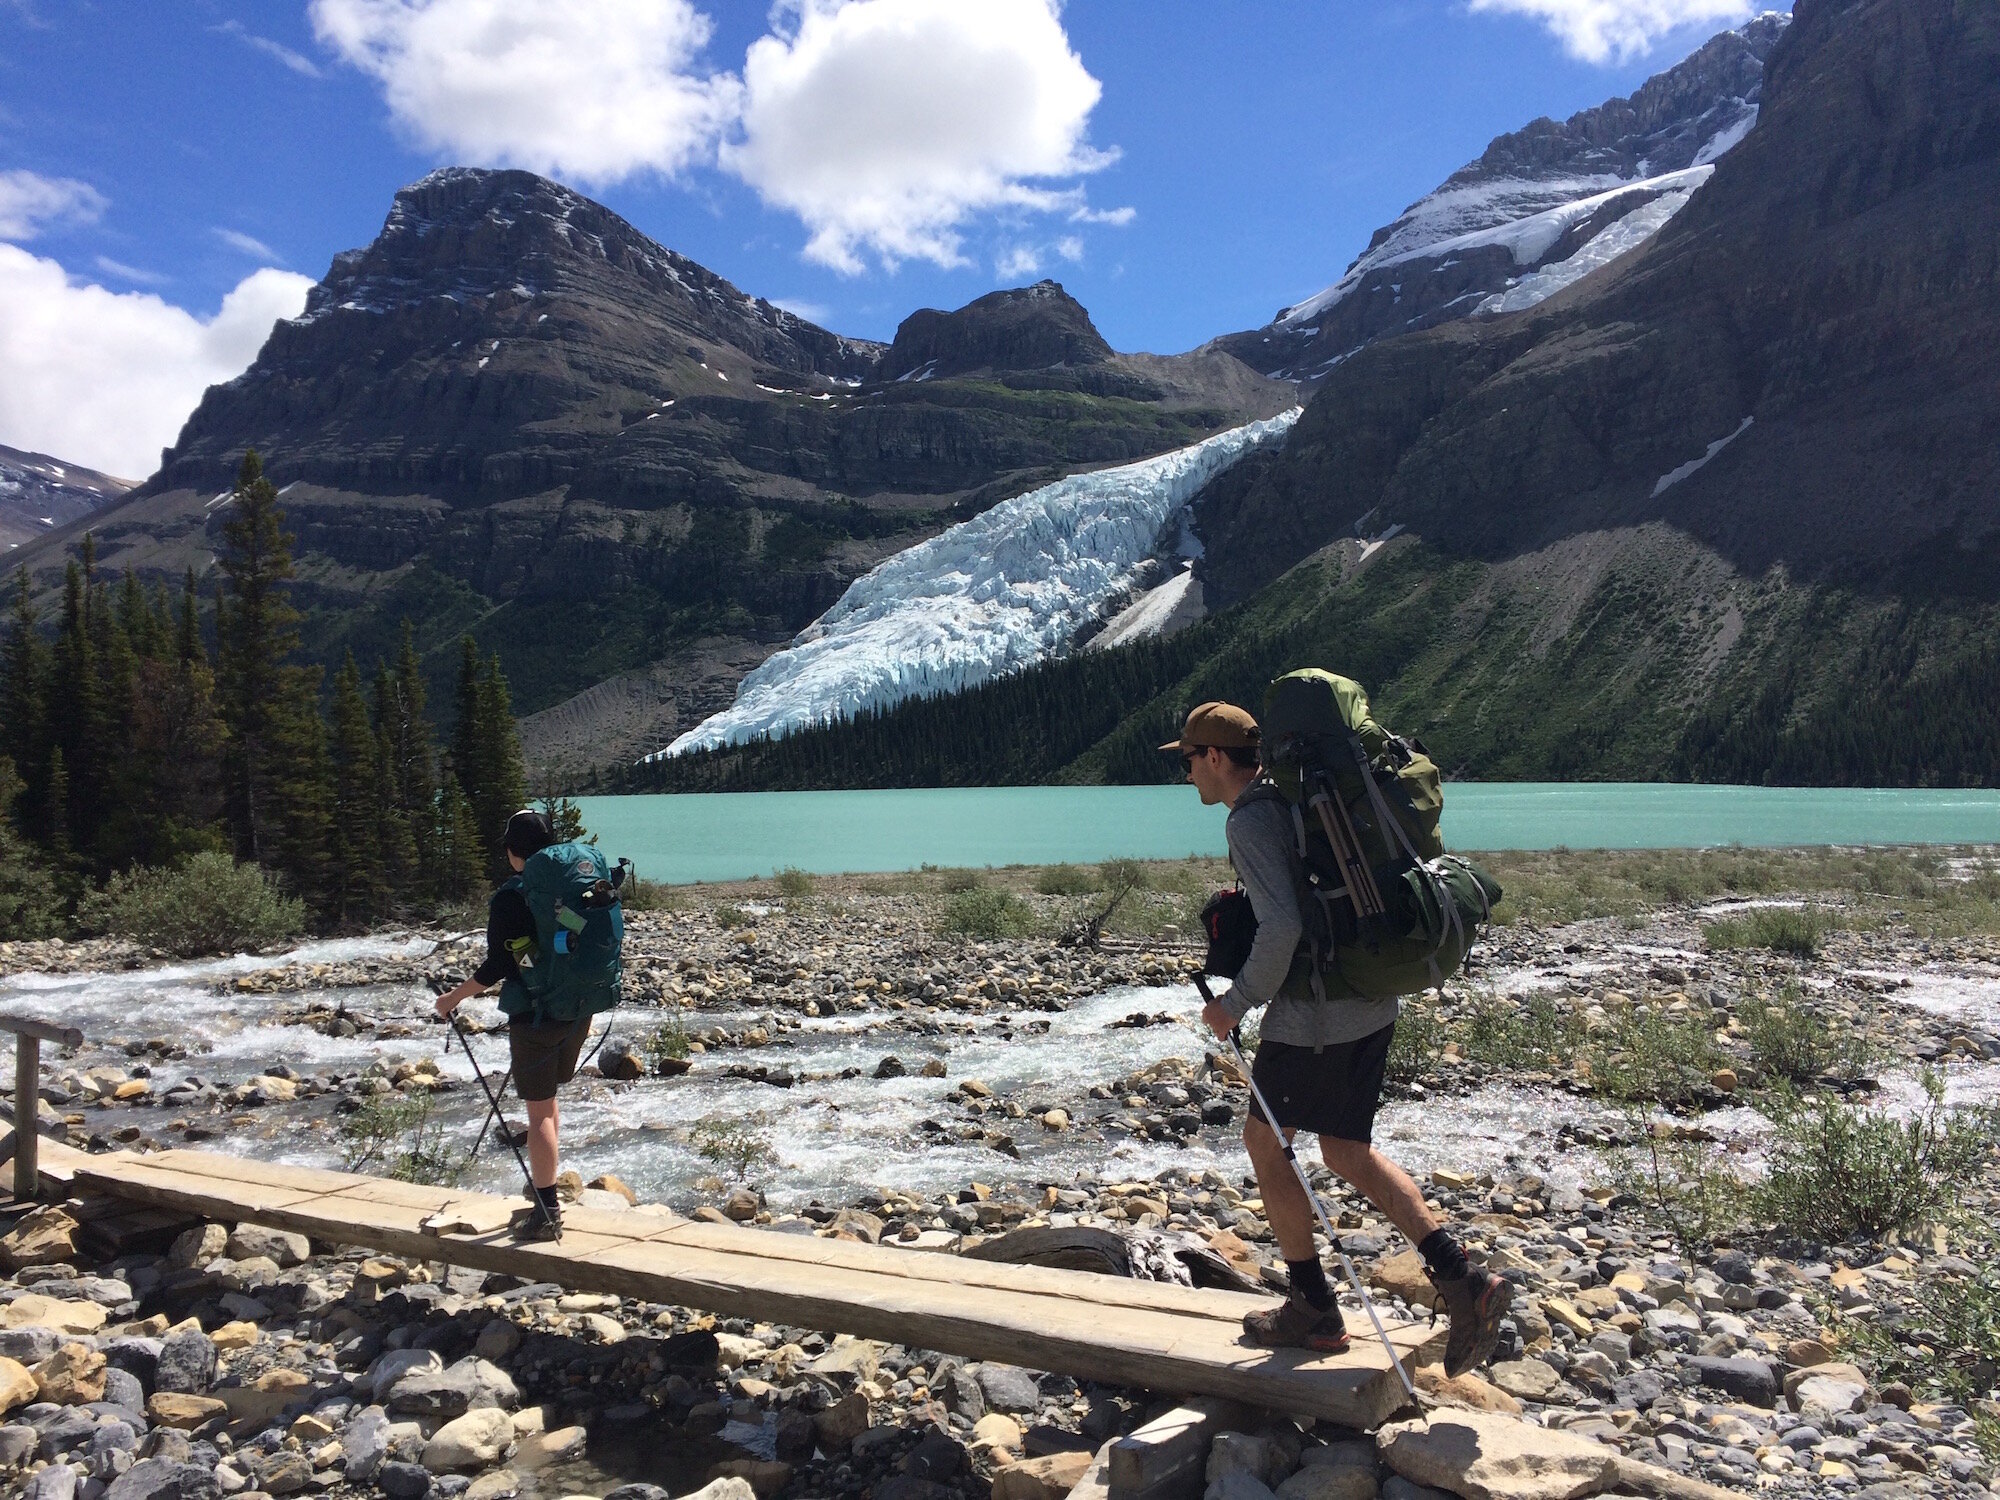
(1185, 169)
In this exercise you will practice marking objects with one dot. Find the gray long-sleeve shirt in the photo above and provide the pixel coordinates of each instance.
(1263, 849)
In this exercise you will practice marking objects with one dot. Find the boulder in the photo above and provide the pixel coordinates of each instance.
(188, 1413)
(30, 1345)
(17, 1444)
(1051, 1477)
(164, 1479)
(468, 1384)
(1466, 1390)
(284, 1472)
(1525, 1379)
(249, 1241)
(17, 1385)
(1238, 1484)
(729, 1487)
(1821, 1398)
(610, 1184)
(365, 1444)
(72, 1376)
(1402, 1275)
(841, 1423)
(499, 1338)
(57, 1482)
(394, 1365)
(187, 1363)
(1486, 1456)
(1008, 1388)
(996, 1431)
(45, 1237)
(255, 1405)
(480, 1437)
(1330, 1482)
(619, 1061)
(766, 1479)
(1751, 1380)
(59, 1313)
(198, 1246)
(401, 1481)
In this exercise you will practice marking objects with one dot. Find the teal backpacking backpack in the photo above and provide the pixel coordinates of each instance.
(575, 967)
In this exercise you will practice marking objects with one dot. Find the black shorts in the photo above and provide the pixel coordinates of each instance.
(1331, 1092)
(544, 1057)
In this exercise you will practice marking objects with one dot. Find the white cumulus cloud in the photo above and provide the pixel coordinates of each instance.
(105, 378)
(595, 90)
(30, 202)
(886, 124)
(1601, 31)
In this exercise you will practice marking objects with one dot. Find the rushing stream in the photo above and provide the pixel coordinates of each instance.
(833, 1136)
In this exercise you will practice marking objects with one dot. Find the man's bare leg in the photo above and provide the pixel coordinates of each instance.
(1383, 1184)
(544, 1127)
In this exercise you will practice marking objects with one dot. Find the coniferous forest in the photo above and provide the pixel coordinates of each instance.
(148, 730)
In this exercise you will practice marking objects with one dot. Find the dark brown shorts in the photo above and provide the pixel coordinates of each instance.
(544, 1057)
(1331, 1092)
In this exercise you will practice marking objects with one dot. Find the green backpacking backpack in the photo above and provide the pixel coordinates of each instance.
(575, 968)
(1387, 911)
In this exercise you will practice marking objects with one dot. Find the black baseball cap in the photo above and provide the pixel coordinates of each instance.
(528, 832)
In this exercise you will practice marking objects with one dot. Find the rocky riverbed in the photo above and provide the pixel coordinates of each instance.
(891, 1082)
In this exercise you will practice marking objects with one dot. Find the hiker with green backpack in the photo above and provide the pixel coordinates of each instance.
(554, 937)
(1346, 902)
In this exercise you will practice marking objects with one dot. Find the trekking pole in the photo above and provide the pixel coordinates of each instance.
(1319, 1208)
(493, 1116)
(1338, 825)
(540, 1207)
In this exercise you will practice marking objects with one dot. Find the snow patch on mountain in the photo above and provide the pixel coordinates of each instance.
(989, 596)
(1619, 238)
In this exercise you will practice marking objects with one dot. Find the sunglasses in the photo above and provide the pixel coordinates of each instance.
(1189, 757)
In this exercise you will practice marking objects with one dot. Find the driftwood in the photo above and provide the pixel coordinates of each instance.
(1155, 1255)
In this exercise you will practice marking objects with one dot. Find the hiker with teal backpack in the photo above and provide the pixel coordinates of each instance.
(1346, 902)
(554, 937)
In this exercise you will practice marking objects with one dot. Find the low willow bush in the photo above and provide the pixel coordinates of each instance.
(1419, 1038)
(399, 1136)
(1838, 1171)
(1798, 931)
(988, 913)
(1797, 1042)
(1655, 1056)
(1064, 880)
(207, 904)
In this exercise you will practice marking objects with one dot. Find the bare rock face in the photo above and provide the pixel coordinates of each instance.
(1027, 328)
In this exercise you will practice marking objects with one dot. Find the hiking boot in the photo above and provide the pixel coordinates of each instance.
(534, 1225)
(1296, 1324)
(1475, 1303)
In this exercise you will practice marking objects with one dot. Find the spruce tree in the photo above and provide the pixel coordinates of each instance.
(459, 864)
(395, 837)
(81, 730)
(187, 630)
(279, 781)
(24, 705)
(359, 889)
(486, 751)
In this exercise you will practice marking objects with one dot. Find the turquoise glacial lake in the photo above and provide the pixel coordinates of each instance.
(738, 836)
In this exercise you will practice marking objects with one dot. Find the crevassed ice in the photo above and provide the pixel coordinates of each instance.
(986, 597)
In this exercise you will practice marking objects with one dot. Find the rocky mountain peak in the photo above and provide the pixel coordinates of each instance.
(1019, 328)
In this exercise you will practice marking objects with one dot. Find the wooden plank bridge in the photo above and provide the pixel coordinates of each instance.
(1093, 1327)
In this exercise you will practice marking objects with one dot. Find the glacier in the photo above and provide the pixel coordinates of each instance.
(986, 597)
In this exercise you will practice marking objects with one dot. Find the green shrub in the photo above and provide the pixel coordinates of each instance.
(1685, 1182)
(738, 1146)
(794, 882)
(666, 1042)
(647, 895)
(1064, 880)
(1793, 1041)
(398, 1135)
(1420, 1035)
(1122, 875)
(988, 914)
(730, 917)
(1539, 1032)
(954, 881)
(1838, 1171)
(1650, 1055)
(1782, 929)
(208, 904)
(1949, 1345)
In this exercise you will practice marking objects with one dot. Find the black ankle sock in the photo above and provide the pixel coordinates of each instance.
(1444, 1255)
(547, 1195)
(1309, 1281)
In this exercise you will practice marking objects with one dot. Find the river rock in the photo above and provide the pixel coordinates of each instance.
(400, 1481)
(729, 1487)
(30, 1345)
(250, 1241)
(188, 1413)
(58, 1313)
(1402, 1275)
(1821, 1398)
(472, 1441)
(1238, 1484)
(1330, 1482)
(1525, 1379)
(196, 1247)
(844, 1421)
(1485, 1456)
(284, 1472)
(1751, 1380)
(394, 1365)
(1465, 1390)
(1051, 1477)
(1008, 1388)
(366, 1443)
(45, 1237)
(57, 1482)
(17, 1444)
(469, 1384)
(186, 1363)
(164, 1479)
(17, 1385)
(71, 1376)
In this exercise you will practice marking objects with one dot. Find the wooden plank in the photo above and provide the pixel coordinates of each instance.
(42, 1031)
(1167, 1458)
(921, 1265)
(1031, 1316)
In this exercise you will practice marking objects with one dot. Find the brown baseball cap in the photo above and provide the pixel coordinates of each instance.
(1217, 724)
